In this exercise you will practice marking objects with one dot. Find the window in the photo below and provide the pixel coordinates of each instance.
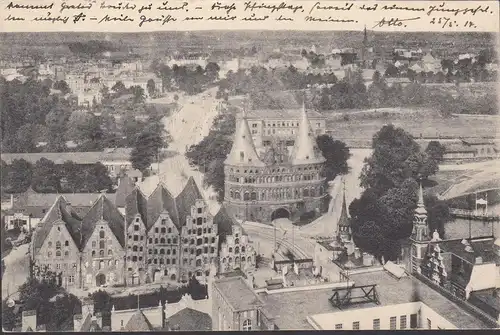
(156, 240)
(58, 253)
(136, 237)
(66, 243)
(429, 323)
(200, 210)
(402, 322)
(173, 261)
(376, 324)
(66, 253)
(338, 326)
(413, 321)
(162, 240)
(93, 253)
(163, 222)
(136, 227)
(163, 230)
(58, 267)
(247, 325)
(174, 241)
(355, 325)
(58, 245)
(150, 240)
(134, 248)
(140, 249)
(162, 251)
(94, 244)
(156, 229)
(101, 253)
(50, 244)
(101, 234)
(101, 244)
(393, 321)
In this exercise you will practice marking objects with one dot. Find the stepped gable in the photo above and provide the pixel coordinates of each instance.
(186, 199)
(305, 150)
(243, 150)
(225, 223)
(136, 203)
(138, 322)
(103, 210)
(125, 188)
(161, 200)
(59, 211)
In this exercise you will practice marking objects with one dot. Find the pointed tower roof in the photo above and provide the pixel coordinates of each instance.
(138, 322)
(420, 210)
(103, 210)
(304, 150)
(344, 216)
(243, 150)
(186, 199)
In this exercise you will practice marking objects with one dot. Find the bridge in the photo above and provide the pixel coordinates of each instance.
(478, 215)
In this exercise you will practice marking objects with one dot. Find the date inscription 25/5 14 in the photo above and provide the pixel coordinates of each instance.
(446, 22)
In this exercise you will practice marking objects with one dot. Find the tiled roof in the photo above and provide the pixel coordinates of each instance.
(243, 149)
(224, 222)
(59, 212)
(186, 199)
(138, 322)
(161, 200)
(103, 209)
(86, 158)
(30, 198)
(125, 187)
(238, 293)
(136, 204)
(115, 154)
(190, 320)
(282, 114)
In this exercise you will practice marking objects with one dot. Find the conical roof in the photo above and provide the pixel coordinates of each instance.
(304, 150)
(344, 217)
(420, 204)
(243, 150)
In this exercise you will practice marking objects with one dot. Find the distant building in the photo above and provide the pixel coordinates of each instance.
(470, 150)
(278, 182)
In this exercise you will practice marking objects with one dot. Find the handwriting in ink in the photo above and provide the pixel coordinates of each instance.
(253, 17)
(165, 7)
(221, 18)
(51, 18)
(369, 8)
(121, 18)
(282, 18)
(13, 5)
(65, 6)
(394, 22)
(396, 7)
(329, 19)
(14, 18)
(148, 7)
(78, 17)
(163, 19)
(347, 6)
(193, 18)
(251, 6)
(119, 6)
(227, 8)
(457, 11)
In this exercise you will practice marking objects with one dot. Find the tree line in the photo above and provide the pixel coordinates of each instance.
(47, 177)
(383, 215)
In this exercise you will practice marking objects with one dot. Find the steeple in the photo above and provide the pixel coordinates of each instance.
(243, 151)
(420, 227)
(365, 37)
(304, 151)
(344, 225)
(420, 204)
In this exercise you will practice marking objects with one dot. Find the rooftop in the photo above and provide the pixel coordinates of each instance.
(480, 247)
(292, 308)
(281, 114)
(238, 293)
(190, 320)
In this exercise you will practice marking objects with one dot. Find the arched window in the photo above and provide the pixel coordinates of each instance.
(156, 240)
(110, 252)
(58, 245)
(237, 241)
(237, 250)
(198, 262)
(163, 230)
(101, 244)
(231, 194)
(169, 241)
(169, 230)
(253, 196)
(66, 243)
(224, 260)
(101, 234)
(174, 241)
(237, 195)
(243, 259)
(134, 248)
(66, 253)
(199, 221)
(58, 253)
(243, 249)
(168, 251)
(173, 252)
(150, 240)
(162, 240)
(161, 261)
(93, 253)
(162, 251)
(101, 253)
(247, 325)
(213, 239)
(156, 251)
(246, 196)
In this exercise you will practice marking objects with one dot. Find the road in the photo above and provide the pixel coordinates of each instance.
(16, 270)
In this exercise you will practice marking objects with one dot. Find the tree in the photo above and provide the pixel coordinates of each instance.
(97, 179)
(438, 213)
(56, 122)
(19, 176)
(147, 146)
(151, 86)
(62, 86)
(336, 154)
(46, 177)
(138, 93)
(119, 87)
(212, 71)
(72, 173)
(435, 151)
(215, 177)
(25, 138)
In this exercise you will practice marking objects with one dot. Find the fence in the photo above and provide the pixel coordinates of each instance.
(461, 303)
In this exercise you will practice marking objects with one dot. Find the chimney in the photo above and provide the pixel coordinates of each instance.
(29, 320)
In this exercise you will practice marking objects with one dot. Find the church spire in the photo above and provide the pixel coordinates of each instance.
(243, 150)
(304, 149)
(365, 37)
(420, 204)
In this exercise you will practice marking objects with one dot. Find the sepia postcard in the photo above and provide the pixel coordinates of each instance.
(249, 165)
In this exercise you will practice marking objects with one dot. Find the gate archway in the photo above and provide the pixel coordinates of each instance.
(280, 213)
